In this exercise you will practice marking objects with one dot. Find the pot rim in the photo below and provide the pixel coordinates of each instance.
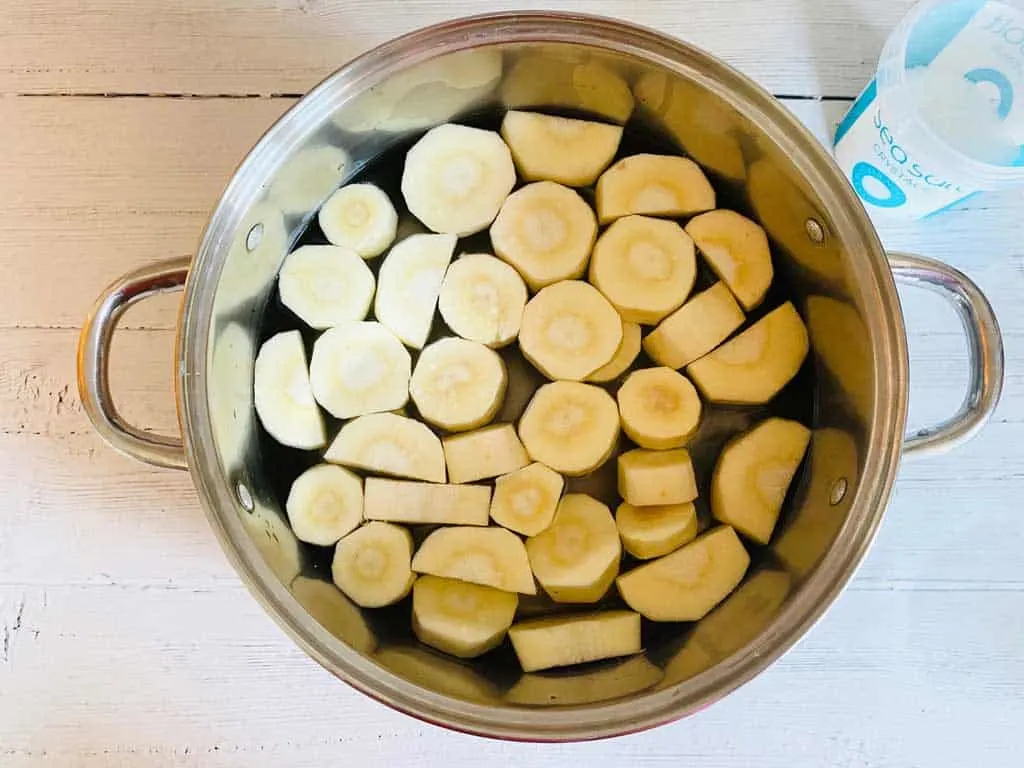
(884, 325)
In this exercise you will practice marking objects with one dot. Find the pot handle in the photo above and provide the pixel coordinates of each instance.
(984, 352)
(94, 357)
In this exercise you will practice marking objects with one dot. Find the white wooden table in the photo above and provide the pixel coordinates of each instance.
(125, 638)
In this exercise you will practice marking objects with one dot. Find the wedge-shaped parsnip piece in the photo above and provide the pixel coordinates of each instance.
(409, 283)
(359, 217)
(737, 250)
(753, 474)
(623, 679)
(325, 503)
(456, 178)
(482, 299)
(491, 556)
(390, 445)
(525, 500)
(571, 427)
(653, 185)
(334, 612)
(696, 328)
(569, 330)
(404, 501)
(458, 384)
(751, 368)
(649, 532)
(546, 232)
(482, 453)
(460, 618)
(283, 395)
(359, 368)
(571, 152)
(686, 584)
(371, 564)
(576, 559)
(652, 478)
(558, 641)
(325, 285)
(645, 267)
(627, 352)
(659, 408)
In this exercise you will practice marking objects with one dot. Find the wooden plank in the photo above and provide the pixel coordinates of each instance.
(198, 677)
(286, 46)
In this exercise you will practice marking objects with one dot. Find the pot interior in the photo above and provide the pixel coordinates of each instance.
(353, 126)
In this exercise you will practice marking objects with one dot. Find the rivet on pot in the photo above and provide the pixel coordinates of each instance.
(838, 491)
(244, 497)
(815, 231)
(252, 240)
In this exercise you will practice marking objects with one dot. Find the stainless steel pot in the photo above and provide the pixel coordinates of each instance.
(825, 248)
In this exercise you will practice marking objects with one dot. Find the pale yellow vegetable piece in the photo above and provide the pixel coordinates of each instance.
(571, 152)
(458, 384)
(483, 453)
(525, 501)
(696, 328)
(737, 250)
(686, 584)
(645, 267)
(546, 232)
(482, 299)
(390, 445)
(752, 367)
(659, 407)
(649, 532)
(371, 564)
(325, 285)
(629, 349)
(409, 283)
(558, 641)
(569, 330)
(325, 503)
(359, 217)
(753, 474)
(652, 478)
(460, 618)
(576, 559)
(491, 556)
(283, 394)
(405, 501)
(653, 185)
(570, 427)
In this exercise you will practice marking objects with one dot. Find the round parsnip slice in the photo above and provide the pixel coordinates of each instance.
(525, 500)
(389, 444)
(752, 367)
(576, 558)
(371, 564)
(546, 232)
(571, 152)
(686, 584)
(653, 478)
(627, 352)
(660, 408)
(648, 532)
(325, 503)
(696, 328)
(463, 619)
(492, 557)
(482, 299)
(737, 250)
(570, 427)
(359, 217)
(654, 185)
(409, 283)
(325, 285)
(753, 474)
(569, 330)
(645, 267)
(456, 178)
(458, 384)
(360, 368)
(283, 395)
